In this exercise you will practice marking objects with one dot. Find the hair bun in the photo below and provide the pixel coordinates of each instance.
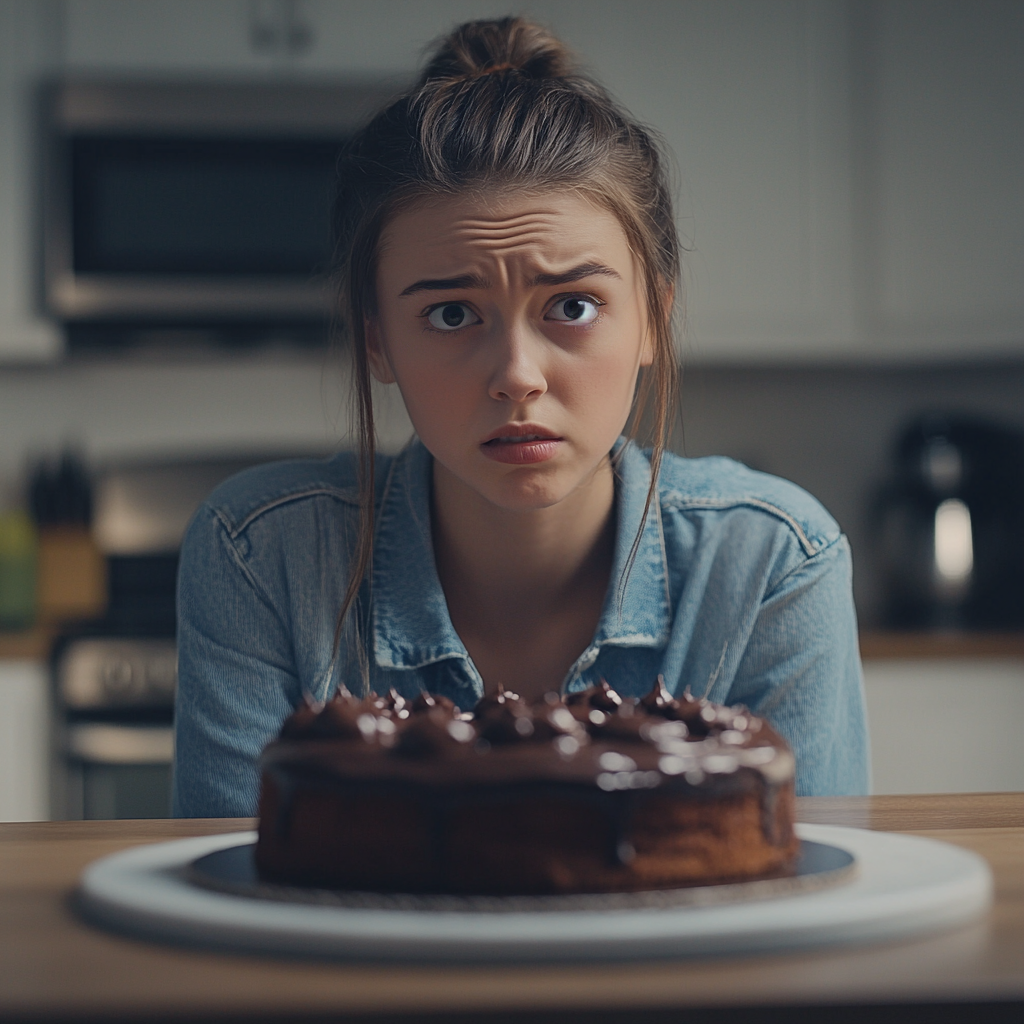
(479, 48)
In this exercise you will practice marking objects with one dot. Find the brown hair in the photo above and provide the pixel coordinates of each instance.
(501, 105)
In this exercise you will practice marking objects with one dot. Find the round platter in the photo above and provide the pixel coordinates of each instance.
(902, 885)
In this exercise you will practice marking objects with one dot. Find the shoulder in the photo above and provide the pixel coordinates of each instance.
(716, 485)
(278, 487)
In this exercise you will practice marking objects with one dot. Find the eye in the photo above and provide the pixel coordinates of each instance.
(450, 316)
(574, 309)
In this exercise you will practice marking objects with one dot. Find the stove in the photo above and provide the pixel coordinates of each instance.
(114, 678)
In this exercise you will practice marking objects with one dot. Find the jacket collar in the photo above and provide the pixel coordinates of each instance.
(411, 627)
(637, 610)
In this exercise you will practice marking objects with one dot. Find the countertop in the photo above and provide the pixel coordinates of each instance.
(34, 644)
(30, 644)
(887, 644)
(54, 965)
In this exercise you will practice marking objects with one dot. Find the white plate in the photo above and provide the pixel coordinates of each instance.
(906, 885)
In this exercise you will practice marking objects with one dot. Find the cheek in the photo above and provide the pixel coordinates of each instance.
(439, 401)
(414, 365)
(603, 383)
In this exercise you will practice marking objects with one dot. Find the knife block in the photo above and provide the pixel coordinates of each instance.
(72, 575)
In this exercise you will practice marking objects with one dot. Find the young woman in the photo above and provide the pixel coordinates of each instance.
(509, 261)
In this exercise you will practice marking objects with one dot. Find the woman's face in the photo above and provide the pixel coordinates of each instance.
(514, 328)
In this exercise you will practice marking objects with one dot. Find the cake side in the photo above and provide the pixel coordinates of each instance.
(588, 794)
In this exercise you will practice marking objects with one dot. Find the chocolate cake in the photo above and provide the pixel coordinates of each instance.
(586, 793)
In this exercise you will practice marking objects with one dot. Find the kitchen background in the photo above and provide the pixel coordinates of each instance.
(850, 191)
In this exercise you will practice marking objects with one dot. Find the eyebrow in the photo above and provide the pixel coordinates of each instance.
(576, 274)
(444, 284)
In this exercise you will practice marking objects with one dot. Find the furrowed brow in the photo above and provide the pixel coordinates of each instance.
(575, 274)
(445, 284)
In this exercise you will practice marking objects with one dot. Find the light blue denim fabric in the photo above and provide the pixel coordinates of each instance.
(741, 590)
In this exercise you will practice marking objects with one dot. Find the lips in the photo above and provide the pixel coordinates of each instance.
(514, 439)
(513, 433)
(521, 444)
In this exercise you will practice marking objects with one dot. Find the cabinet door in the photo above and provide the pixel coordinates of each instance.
(27, 51)
(945, 725)
(751, 97)
(165, 36)
(944, 147)
(24, 741)
(253, 37)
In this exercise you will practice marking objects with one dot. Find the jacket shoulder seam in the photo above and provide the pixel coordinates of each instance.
(243, 565)
(820, 553)
(235, 530)
(680, 502)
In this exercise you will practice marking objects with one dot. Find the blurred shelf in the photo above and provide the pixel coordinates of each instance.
(33, 644)
(877, 645)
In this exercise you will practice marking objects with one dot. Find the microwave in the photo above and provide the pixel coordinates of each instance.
(191, 204)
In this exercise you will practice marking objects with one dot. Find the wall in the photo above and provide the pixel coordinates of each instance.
(134, 408)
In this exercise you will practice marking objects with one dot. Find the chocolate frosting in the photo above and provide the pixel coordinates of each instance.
(300, 723)
(435, 732)
(602, 697)
(427, 701)
(391, 704)
(669, 741)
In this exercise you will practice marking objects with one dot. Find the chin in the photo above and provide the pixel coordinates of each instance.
(527, 503)
(529, 494)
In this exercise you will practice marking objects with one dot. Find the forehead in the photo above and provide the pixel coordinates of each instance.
(548, 232)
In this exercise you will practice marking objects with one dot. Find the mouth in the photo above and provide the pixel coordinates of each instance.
(521, 444)
(515, 433)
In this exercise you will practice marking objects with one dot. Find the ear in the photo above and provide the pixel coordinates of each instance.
(376, 354)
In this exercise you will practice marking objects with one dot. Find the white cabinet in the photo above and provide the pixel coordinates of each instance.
(944, 221)
(24, 741)
(27, 51)
(161, 37)
(946, 725)
(752, 99)
(247, 37)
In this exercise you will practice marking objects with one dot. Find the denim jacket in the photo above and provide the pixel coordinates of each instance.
(740, 590)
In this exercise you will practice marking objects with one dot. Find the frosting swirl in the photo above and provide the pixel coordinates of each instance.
(673, 737)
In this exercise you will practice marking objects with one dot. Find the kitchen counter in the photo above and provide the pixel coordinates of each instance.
(31, 644)
(888, 644)
(35, 643)
(53, 964)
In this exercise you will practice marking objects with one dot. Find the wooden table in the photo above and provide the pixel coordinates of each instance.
(52, 965)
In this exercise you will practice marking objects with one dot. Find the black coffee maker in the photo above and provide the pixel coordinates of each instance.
(949, 526)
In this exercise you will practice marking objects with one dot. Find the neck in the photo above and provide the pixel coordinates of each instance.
(497, 564)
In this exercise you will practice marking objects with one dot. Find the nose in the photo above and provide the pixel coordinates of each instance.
(517, 374)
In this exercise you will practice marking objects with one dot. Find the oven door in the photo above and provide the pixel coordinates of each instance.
(115, 706)
(118, 770)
